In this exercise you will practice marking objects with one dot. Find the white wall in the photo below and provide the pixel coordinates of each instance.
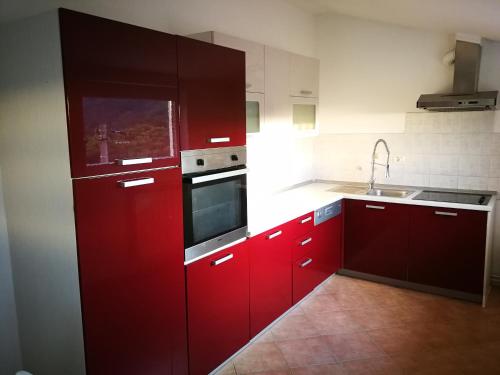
(371, 76)
(10, 354)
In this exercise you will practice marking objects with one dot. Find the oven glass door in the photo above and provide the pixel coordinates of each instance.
(214, 205)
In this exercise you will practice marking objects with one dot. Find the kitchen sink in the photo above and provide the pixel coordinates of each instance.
(393, 193)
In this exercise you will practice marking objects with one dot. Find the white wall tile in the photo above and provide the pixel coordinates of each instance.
(441, 181)
(473, 183)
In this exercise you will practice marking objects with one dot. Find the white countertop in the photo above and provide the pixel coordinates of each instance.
(265, 214)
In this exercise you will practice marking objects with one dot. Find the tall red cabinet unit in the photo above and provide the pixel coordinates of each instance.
(92, 180)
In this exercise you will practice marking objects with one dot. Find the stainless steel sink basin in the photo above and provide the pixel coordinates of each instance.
(393, 193)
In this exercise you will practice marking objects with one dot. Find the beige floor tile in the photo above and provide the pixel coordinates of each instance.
(346, 347)
(260, 357)
(306, 352)
(334, 322)
(293, 327)
(320, 370)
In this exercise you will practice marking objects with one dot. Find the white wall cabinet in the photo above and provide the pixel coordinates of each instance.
(254, 56)
(278, 101)
(304, 76)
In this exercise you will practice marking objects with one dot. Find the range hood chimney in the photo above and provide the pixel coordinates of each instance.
(465, 96)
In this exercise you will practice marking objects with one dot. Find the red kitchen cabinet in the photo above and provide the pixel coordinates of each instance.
(376, 238)
(131, 254)
(447, 248)
(316, 256)
(218, 307)
(270, 277)
(211, 95)
(121, 93)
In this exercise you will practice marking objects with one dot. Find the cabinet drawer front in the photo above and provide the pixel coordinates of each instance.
(307, 274)
(301, 225)
(303, 246)
(218, 304)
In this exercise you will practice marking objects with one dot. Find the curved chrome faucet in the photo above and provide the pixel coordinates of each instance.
(371, 183)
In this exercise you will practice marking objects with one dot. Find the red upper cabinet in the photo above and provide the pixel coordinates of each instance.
(376, 238)
(218, 307)
(131, 266)
(270, 277)
(99, 49)
(211, 95)
(447, 248)
(121, 94)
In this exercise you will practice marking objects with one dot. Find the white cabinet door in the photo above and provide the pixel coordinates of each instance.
(278, 101)
(304, 76)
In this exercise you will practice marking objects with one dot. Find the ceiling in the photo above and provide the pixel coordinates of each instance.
(480, 17)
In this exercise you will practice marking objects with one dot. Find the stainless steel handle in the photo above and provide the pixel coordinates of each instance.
(274, 235)
(306, 263)
(222, 260)
(306, 241)
(371, 206)
(138, 182)
(219, 140)
(306, 92)
(134, 161)
(444, 213)
(218, 176)
(306, 220)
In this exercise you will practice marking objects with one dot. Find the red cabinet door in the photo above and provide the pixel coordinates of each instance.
(270, 277)
(121, 94)
(218, 308)
(211, 95)
(329, 244)
(376, 238)
(447, 248)
(99, 49)
(130, 251)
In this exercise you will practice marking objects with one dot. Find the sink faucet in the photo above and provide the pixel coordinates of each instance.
(386, 165)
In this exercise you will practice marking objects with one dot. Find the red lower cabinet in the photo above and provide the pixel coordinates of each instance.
(131, 265)
(270, 277)
(218, 307)
(447, 248)
(376, 238)
(316, 256)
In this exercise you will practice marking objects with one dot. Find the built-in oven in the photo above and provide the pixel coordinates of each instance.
(215, 199)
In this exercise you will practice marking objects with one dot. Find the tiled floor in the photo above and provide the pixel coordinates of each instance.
(350, 326)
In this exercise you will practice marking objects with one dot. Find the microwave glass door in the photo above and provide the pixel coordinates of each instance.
(213, 208)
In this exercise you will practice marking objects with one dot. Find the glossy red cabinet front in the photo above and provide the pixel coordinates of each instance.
(130, 252)
(218, 307)
(376, 238)
(270, 277)
(211, 95)
(316, 256)
(121, 94)
(447, 248)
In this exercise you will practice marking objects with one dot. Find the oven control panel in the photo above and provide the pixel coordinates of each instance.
(327, 212)
(196, 161)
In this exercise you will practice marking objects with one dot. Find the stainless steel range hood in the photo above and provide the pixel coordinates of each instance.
(465, 96)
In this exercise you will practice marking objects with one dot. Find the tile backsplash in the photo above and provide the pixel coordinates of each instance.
(446, 149)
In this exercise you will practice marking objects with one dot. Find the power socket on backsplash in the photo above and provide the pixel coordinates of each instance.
(398, 159)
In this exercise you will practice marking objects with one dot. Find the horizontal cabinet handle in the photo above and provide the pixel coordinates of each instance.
(274, 235)
(371, 206)
(306, 263)
(306, 241)
(218, 176)
(306, 92)
(134, 161)
(444, 213)
(219, 140)
(306, 220)
(222, 260)
(138, 182)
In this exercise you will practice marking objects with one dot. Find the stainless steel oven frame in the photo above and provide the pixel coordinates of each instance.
(209, 166)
